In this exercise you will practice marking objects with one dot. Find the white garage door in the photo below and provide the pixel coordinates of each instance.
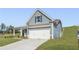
(43, 33)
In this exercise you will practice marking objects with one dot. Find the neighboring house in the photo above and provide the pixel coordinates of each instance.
(40, 26)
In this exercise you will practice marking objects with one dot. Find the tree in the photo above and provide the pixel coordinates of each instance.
(3, 27)
(10, 29)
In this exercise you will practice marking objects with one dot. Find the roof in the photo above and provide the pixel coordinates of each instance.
(56, 22)
(23, 27)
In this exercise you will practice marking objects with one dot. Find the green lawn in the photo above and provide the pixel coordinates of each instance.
(67, 42)
(7, 39)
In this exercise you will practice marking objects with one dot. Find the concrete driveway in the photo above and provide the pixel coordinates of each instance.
(25, 44)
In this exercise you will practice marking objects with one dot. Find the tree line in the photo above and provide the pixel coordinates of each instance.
(6, 29)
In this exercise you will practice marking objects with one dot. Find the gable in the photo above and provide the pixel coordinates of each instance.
(39, 18)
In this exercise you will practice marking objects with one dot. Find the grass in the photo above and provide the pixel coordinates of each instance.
(8, 39)
(67, 42)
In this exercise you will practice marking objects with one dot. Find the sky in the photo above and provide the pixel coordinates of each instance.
(19, 16)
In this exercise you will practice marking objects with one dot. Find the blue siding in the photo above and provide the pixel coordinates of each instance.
(57, 31)
(45, 20)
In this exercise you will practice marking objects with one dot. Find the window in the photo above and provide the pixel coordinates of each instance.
(38, 19)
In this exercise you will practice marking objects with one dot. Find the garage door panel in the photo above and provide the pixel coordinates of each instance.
(39, 33)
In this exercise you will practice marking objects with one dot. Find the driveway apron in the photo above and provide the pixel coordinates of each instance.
(25, 44)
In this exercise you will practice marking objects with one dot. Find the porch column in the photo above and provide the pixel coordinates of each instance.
(27, 31)
(13, 32)
(21, 32)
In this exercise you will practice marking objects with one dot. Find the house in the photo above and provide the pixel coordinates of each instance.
(40, 26)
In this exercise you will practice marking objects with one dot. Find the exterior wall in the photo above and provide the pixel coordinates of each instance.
(57, 31)
(45, 20)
